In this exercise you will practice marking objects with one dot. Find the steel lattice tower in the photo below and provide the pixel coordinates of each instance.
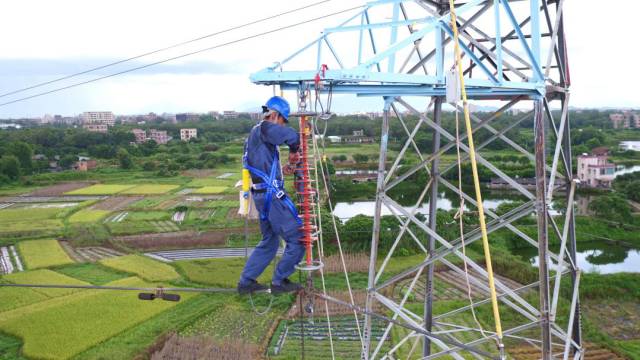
(515, 54)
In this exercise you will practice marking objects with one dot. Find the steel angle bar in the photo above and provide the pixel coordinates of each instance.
(384, 25)
(479, 158)
(558, 27)
(450, 145)
(523, 307)
(446, 41)
(395, 315)
(416, 329)
(552, 48)
(403, 228)
(470, 53)
(558, 332)
(333, 51)
(501, 136)
(534, 62)
(493, 215)
(556, 230)
(410, 141)
(514, 330)
(403, 313)
(492, 226)
(563, 244)
(558, 149)
(572, 319)
(450, 248)
(372, 40)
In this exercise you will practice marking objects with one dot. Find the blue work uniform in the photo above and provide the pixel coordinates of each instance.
(279, 218)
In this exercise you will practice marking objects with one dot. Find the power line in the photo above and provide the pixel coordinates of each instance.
(164, 48)
(183, 55)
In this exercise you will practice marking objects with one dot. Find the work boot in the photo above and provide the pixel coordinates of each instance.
(250, 287)
(285, 286)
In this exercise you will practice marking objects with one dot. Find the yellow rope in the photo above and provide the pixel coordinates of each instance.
(476, 180)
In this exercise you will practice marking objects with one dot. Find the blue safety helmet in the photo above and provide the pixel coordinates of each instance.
(278, 104)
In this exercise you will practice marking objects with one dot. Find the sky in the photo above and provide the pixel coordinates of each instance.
(44, 40)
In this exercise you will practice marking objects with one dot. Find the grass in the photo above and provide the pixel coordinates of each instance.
(93, 273)
(10, 348)
(210, 190)
(151, 189)
(142, 266)
(64, 329)
(100, 189)
(88, 216)
(42, 253)
(218, 272)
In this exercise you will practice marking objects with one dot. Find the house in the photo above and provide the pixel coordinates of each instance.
(84, 164)
(358, 137)
(140, 135)
(595, 170)
(159, 136)
(98, 117)
(625, 120)
(629, 146)
(99, 128)
(334, 139)
(188, 134)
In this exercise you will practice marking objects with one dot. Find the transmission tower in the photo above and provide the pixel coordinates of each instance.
(514, 53)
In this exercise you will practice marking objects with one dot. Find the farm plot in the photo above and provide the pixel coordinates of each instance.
(229, 181)
(100, 189)
(88, 216)
(218, 272)
(59, 189)
(150, 189)
(116, 203)
(64, 329)
(192, 254)
(211, 190)
(96, 253)
(42, 253)
(177, 240)
(92, 273)
(6, 265)
(117, 217)
(13, 298)
(142, 266)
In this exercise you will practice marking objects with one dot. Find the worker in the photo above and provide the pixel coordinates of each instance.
(278, 215)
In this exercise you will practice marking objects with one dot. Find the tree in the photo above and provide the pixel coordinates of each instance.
(23, 152)
(612, 207)
(10, 167)
(67, 161)
(632, 190)
(124, 158)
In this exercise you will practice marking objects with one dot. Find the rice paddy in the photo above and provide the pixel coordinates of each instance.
(42, 253)
(100, 189)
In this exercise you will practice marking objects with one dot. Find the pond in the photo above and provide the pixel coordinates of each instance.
(346, 210)
(596, 257)
(621, 170)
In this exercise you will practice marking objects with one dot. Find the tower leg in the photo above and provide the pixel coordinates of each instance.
(375, 238)
(433, 207)
(541, 210)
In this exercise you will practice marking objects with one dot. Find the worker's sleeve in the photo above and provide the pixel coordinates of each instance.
(278, 135)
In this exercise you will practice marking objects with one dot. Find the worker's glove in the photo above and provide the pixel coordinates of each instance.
(288, 169)
(294, 158)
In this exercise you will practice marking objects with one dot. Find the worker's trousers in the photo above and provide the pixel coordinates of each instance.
(280, 223)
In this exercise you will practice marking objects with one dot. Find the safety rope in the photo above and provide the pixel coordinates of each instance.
(476, 180)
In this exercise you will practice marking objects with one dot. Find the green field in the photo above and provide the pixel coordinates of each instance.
(142, 266)
(212, 181)
(42, 253)
(61, 330)
(151, 189)
(210, 190)
(100, 189)
(93, 273)
(88, 216)
(12, 298)
(218, 272)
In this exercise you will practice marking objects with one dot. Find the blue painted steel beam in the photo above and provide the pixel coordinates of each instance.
(535, 64)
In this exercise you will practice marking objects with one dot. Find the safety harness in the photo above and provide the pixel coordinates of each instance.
(270, 184)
